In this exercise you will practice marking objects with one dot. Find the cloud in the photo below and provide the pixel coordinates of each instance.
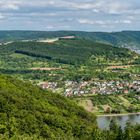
(51, 27)
(9, 5)
(103, 22)
(87, 21)
(105, 6)
(123, 21)
(1, 16)
(70, 14)
(108, 6)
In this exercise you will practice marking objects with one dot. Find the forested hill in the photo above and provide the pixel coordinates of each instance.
(71, 51)
(123, 39)
(26, 111)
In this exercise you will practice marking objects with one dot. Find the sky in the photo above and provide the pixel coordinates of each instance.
(84, 15)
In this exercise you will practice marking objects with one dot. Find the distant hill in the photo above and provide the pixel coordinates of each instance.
(129, 39)
(68, 51)
(27, 112)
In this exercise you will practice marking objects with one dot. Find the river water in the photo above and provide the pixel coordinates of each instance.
(103, 121)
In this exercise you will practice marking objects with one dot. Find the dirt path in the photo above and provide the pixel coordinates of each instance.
(123, 114)
(47, 69)
(89, 106)
(120, 66)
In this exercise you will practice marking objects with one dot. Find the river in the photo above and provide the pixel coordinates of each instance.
(103, 121)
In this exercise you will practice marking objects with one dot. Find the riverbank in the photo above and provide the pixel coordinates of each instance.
(104, 121)
(122, 114)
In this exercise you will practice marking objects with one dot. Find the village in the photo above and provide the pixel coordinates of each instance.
(72, 88)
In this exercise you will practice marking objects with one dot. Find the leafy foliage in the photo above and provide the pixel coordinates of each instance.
(28, 110)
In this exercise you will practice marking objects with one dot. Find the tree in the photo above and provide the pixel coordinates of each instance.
(113, 126)
(128, 132)
(120, 134)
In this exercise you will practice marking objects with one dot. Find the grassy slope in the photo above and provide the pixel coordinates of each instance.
(117, 103)
(28, 110)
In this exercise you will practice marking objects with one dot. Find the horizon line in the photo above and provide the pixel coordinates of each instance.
(30, 30)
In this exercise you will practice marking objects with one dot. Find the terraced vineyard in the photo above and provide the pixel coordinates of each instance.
(116, 104)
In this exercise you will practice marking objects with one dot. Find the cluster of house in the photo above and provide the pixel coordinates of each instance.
(107, 87)
(48, 85)
(72, 88)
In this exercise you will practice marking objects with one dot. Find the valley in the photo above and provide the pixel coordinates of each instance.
(62, 67)
(59, 84)
(69, 70)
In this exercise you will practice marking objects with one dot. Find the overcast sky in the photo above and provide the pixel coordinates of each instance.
(86, 15)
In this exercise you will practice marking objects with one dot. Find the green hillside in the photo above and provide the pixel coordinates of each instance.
(27, 111)
(124, 38)
(75, 51)
(76, 59)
